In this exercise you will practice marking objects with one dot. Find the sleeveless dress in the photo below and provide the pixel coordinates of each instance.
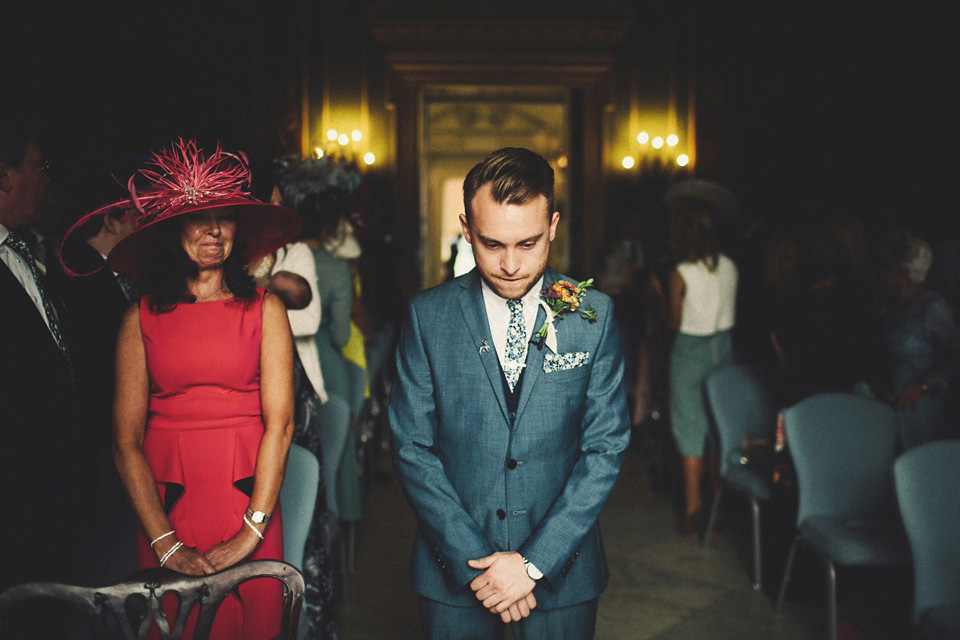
(203, 433)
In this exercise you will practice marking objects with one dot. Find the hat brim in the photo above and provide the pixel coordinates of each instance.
(70, 239)
(262, 228)
(723, 202)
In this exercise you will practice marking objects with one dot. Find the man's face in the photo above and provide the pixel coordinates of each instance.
(511, 242)
(23, 189)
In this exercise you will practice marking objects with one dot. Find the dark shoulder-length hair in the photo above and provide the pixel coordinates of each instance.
(693, 233)
(166, 268)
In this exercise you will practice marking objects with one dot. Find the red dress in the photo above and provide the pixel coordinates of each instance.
(204, 428)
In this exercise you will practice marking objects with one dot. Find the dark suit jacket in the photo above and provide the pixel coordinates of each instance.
(41, 479)
(92, 309)
(480, 480)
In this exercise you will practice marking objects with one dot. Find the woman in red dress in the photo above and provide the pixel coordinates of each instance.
(203, 414)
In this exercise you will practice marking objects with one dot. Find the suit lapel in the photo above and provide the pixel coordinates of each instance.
(475, 317)
(20, 301)
(533, 372)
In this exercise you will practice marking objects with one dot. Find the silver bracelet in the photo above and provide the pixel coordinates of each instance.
(172, 551)
(250, 524)
(159, 538)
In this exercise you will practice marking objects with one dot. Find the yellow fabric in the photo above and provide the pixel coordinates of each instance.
(354, 349)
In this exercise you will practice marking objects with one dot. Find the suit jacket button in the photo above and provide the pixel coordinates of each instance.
(511, 464)
(501, 514)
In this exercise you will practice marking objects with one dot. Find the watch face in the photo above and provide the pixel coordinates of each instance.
(258, 516)
(532, 572)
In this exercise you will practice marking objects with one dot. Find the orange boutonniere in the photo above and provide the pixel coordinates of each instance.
(559, 298)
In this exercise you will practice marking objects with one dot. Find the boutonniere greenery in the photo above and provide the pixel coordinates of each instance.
(557, 299)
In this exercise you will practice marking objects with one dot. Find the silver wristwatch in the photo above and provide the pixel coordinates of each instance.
(532, 572)
(258, 517)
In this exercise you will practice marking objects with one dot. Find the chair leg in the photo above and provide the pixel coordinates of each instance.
(344, 568)
(757, 579)
(352, 547)
(713, 517)
(786, 576)
(831, 600)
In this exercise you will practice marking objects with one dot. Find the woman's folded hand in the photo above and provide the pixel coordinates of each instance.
(190, 561)
(236, 549)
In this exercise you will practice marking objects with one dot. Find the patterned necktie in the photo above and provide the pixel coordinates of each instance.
(16, 243)
(516, 351)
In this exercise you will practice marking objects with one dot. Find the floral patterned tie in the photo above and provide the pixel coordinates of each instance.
(516, 351)
(16, 243)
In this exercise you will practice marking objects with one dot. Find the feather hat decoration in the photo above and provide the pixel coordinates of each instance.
(298, 179)
(182, 180)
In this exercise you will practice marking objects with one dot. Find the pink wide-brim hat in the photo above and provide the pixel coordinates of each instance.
(186, 181)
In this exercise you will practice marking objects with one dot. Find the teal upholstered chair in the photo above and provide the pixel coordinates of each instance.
(927, 479)
(843, 447)
(298, 496)
(741, 405)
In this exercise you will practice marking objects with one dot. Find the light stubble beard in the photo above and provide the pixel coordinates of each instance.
(497, 289)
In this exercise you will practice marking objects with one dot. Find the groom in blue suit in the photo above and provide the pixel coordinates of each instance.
(507, 448)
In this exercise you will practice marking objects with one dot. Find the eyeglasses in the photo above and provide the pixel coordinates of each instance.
(42, 165)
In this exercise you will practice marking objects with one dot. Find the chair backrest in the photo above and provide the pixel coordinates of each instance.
(129, 607)
(298, 496)
(927, 478)
(741, 403)
(843, 447)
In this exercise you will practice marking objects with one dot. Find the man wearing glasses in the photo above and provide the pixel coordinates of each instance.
(40, 488)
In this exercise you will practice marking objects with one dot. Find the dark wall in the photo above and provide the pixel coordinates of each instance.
(849, 105)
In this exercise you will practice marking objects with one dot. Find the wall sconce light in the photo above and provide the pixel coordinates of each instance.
(345, 146)
(657, 152)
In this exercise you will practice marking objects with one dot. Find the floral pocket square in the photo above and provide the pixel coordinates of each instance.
(563, 361)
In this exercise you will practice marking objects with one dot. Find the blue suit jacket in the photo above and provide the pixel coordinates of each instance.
(478, 485)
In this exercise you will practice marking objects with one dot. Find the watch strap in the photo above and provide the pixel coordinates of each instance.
(259, 517)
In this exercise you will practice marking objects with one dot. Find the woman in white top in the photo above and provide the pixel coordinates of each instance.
(700, 308)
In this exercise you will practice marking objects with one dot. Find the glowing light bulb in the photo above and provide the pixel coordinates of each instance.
(683, 160)
(357, 135)
(318, 151)
(628, 162)
(369, 158)
(657, 142)
(672, 140)
(332, 135)
(643, 137)
(343, 139)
